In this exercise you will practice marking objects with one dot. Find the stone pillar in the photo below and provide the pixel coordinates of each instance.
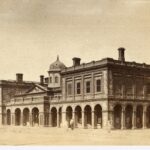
(111, 119)
(1, 119)
(30, 119)
(82, 86)
(63, 117)
(144, 117)
(4, 118)
(58, 124)
(92, 85)
(123, 118)
(64, 95)
(144, 91)
(83, 120)
(134, 118)
(104, 119)
(46, 119)
(134, 91)
(12, 119)
(50, 121)
(123, 91)
(73, 88)
(105, 82)
(41, 118)
(21, 119)
(110, 82)
(93, 119)
(74, 118)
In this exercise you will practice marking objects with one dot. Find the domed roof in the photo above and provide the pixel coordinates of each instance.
(57, 65)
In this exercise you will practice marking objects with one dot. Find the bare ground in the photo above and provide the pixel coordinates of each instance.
(58, 136)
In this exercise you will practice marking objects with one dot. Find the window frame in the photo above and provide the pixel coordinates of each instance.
(69, 90)
(96, 85)
(56, 79)
(78, 88)
(88, 87)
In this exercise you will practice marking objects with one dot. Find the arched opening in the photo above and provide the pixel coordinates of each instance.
(54, 117)
(98, 116)
(17, 117)
(56, 79)
(60, 116)
(128, 116)
(26, 116)
(148, 117)
(35, 116)
(78, 116)
(139, 116)
(88, 116)
(8, 117)
(68, 115)
(117, 116)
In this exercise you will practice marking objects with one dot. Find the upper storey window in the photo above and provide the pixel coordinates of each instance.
(50, 79)
(88, 87)
(129, 86)
(98, 85)
(69, 89)
(56, 79)
(78, 88)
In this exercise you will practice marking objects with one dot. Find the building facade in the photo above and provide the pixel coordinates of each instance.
(95, 95)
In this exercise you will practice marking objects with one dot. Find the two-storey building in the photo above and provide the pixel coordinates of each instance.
(93, 94)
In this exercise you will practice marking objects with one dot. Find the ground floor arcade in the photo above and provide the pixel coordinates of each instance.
(130, 116)
(90, 115)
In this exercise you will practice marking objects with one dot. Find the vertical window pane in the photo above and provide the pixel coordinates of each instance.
(69, 89)
(88, 84)
(78, 88)
(98, 85)
(50, 79)
(56, 79)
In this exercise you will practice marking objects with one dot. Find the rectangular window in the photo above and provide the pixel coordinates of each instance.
(69, 89)
(98, 85)
(88, 87)
(78, 88)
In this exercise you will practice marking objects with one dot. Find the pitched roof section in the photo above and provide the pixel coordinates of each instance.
(37, 89)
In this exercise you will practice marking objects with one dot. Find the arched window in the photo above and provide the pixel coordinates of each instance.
(50, 79)
(56, 79)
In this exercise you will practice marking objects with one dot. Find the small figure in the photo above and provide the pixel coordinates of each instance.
(72, 124)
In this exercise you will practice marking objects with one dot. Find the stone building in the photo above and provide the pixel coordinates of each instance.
(92, 94)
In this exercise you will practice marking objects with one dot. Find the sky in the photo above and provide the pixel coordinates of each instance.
(34, 32)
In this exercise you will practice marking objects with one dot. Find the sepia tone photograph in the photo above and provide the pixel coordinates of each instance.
(74, 72)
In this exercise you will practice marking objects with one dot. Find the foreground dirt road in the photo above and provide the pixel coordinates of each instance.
(58, 136)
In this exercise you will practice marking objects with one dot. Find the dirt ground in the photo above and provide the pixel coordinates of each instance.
(57, 136)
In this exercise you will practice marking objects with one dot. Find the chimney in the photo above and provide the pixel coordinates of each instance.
(76, 61)
(121, 54)
(41, 79)
(19, 77)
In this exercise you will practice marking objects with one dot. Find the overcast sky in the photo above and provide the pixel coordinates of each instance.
(34, 32)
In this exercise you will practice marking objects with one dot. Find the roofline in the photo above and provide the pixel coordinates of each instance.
(104, 63)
